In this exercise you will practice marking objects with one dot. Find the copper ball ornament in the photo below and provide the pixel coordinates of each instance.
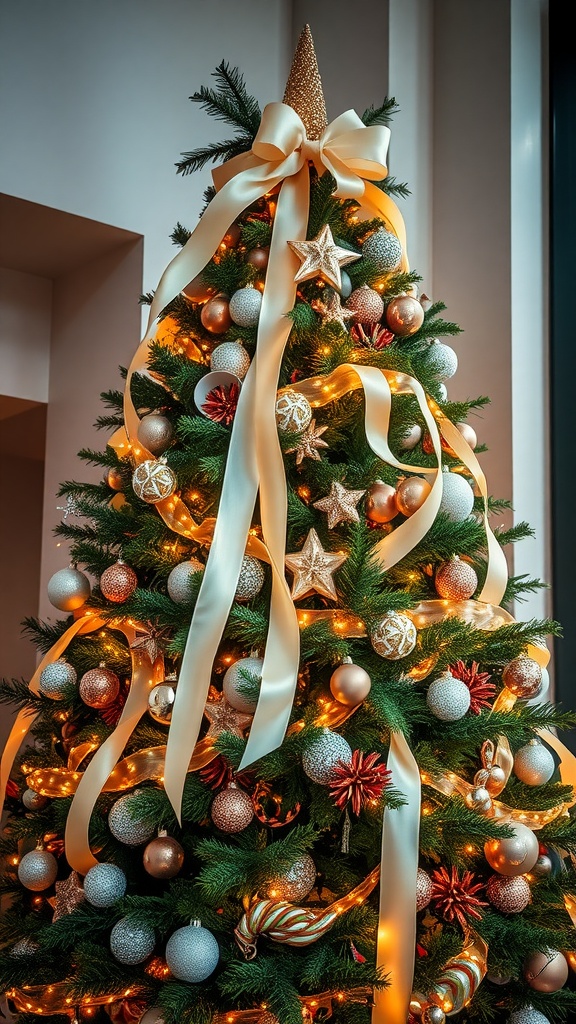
(394, 637)
(411, 493)
(250, 580)
(381, 504)
(424, 889)
(230, 357)
(514, 856)
(258, 257)
(495, 779)
(161, 702)
(99, 686)
(118, 582)
(523, 677)
(232, 236)
(153, 480)
(455, 580)
(68, 589)
(350, 684)
(294, 884)
(293, 412)
(366, 304)
(509, 894)
(546, 970)
(404, 315)
(197, 290)
(163, 857)
(232, 809)
(37, 870)
(534, 764)
(114, 479)
(155, 433)
(215, 316)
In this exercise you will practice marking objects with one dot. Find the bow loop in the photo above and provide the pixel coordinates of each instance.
(281, 132)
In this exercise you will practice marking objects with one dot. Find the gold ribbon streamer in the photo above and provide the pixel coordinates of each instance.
(55, 998)
(397, 915)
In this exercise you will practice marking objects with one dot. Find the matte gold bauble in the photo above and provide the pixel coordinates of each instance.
(163, 857)
(258, 258)
(546, 970)
(381, 504)
(155, 432)
(350, 684)
(514, 856)
(404, 315)
(114, 479)
(523, 677)
(118, 582)
(411, 494)
(99, 686)
(215, 315)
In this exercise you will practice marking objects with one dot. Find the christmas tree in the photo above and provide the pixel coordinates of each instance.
(285, 755)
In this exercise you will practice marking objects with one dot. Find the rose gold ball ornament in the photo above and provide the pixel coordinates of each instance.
(367, 305)
(514, 856)
(118, 582)
(230, 357)
(350, 684)
(546, 970)
(163, 857)
(456, 580)
(215, 315)
(258, 257)
(411, 437)
(197, 290)
(404, 316)
(251, 579)
(424, 889)
(99, 686)
(510, 895)
(296, 883)
(468, 433)
(523, 677)
(153, 481)
(232, 809)
(293, 412)
(411, 494)
(381, 504)
(394, 637)
(155, 433)
(68, 589)
(114, 479)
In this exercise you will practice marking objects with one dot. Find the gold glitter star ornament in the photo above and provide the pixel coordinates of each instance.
(224, 718)
(308, 442)
(321, 256)
(313, 568)
(331, 309)
(340, 505)
(69, 895)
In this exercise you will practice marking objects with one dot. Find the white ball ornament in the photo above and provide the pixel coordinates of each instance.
(37, 870)
(384, 250)
(534, 764)
(57, 678)
(516, 855)
(154, 1015)
(235, 679)
(293, 412)
(68, 589)
(104, 885)
(323, 754)
(131, 943)
(192, 953)
(125, 826)
(244, 307)
(448, 698)
(441, 359)
(180, 579)
(231, 357)
(250, 580)
(457, 499)
(394, 637)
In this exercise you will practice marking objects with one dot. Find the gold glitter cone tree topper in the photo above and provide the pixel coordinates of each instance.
(304, 87)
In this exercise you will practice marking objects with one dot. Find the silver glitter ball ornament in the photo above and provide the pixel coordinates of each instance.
(433, 1015)
(323, 754)
(33, 801)
(37, 870)
(384, 250)
(24, 948)
(457, 499)
(231, 357)
(180, 579)
(394, 637)
(153, 480)
(57, 678)
(527, 1015)
(155, 433)
(251, 579)
(123, 824)
(161, 702)
(68, 589)
(441, 359)
(244, 307)
(235, 680)
(424, 889)
(99, 686)
(104, 885)
(534, 764)
(296, 883)
(192, 953)
(131, 943)
(448, 698)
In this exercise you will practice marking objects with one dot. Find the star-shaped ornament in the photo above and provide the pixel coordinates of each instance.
(224, 718)
(149, 640)
(322, 256)
(313, 569)
(69, 509)
(69, 895)
(340, 505)
(331, 309)
(308, 442)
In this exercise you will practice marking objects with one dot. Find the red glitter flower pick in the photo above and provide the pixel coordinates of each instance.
(362, 779)
(481, 691)
(221, 403)
(455, 897)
